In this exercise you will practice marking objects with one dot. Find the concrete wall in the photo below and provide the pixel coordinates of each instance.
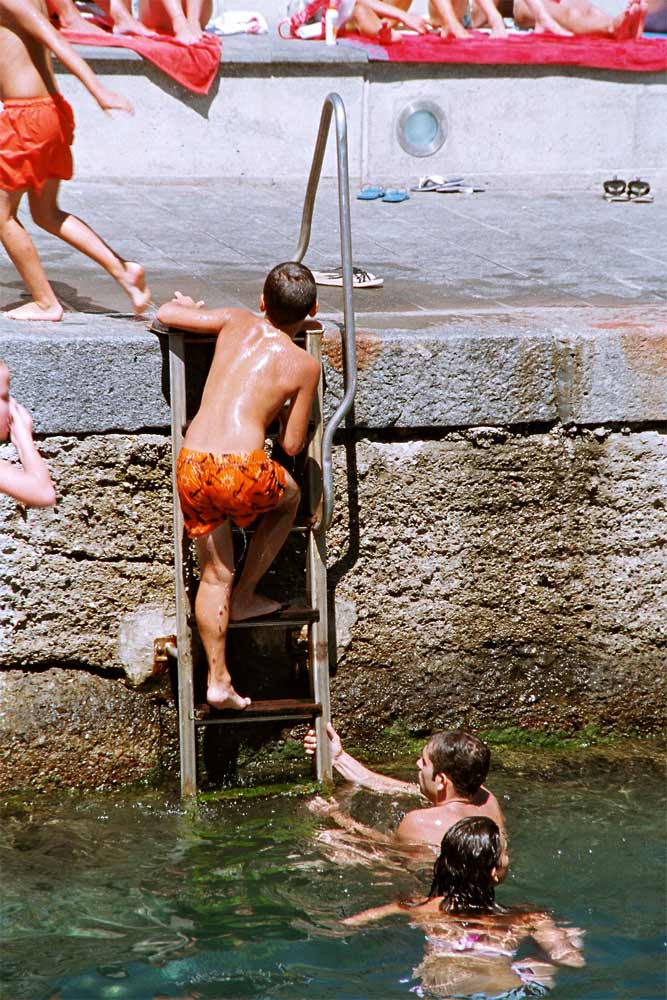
(261, 118)
(497, 554)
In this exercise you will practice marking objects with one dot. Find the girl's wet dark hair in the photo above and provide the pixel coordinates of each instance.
(463, 874)
(289, 293)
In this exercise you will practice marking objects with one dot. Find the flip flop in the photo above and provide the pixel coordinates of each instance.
(370, 193)
(360, 278)
(396, 195)
(431, 182)
(615, 189)
(639, 190)
(458, 189)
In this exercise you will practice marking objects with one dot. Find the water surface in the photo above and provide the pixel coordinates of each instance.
(123, 895)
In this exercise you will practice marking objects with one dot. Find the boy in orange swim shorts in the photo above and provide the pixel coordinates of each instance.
(257, 374)
(36, 133)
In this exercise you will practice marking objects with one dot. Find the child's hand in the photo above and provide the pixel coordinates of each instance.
(185, 300)
(20, 423)
(109, 100)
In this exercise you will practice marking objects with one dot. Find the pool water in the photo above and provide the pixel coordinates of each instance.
(124, 895)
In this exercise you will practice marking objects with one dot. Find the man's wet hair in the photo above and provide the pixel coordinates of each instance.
(290, 293)
(462, 757)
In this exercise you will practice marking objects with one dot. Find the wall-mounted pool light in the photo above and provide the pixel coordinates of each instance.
(421, 128)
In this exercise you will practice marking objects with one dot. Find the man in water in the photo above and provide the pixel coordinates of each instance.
(450, 774)
(257, 374)
(29, 482)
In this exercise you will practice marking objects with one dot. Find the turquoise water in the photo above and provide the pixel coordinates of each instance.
(124, 896)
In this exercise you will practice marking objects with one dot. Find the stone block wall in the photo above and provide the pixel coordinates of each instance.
(485, 568)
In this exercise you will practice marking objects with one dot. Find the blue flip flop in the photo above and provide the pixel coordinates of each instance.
(371, 193)
(395, 195)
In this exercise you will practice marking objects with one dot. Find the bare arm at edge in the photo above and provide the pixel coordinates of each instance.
(193, 319)
(294, 425)
(35, 24)
(353, 770)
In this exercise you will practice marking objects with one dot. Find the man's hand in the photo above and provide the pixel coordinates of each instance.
(186, 300)
(109, 100)
(335, 745)
(20, 423)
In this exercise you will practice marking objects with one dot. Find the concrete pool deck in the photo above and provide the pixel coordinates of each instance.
(501, 278)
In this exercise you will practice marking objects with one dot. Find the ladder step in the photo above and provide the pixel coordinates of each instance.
(281, 710)
(285, 618)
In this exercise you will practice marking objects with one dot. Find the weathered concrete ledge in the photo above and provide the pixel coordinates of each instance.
(261, 117)
(583, 366)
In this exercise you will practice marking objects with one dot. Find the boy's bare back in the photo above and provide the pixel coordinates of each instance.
(25, 64)
(256, 369)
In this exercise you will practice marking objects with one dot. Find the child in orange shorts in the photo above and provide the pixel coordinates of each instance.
(36, 134)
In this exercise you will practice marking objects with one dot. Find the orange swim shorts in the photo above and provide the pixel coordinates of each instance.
(213, 487)
(35, 138)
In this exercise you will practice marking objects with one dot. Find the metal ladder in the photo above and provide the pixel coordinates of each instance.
(320, 475)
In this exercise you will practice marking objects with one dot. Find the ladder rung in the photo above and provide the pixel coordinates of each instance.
(281, 710)
(286, 618)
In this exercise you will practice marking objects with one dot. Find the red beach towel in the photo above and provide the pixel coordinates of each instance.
(639, 55)
(193, 66)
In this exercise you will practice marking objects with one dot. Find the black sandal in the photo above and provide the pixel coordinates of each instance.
(638, 189)
(615, 187)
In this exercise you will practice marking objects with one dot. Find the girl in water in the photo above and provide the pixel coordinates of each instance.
(472, 940)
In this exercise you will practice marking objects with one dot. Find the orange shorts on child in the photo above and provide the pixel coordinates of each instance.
(35, 138)
(214, 487)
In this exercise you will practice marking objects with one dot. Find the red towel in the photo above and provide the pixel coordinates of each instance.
(639, 55)
(193, 66)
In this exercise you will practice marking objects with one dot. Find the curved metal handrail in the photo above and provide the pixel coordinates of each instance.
(333, 104)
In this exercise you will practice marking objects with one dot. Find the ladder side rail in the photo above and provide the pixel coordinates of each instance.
(186, 725)
(349, 329)
(333, 104)
(314, 176)
(316, 577)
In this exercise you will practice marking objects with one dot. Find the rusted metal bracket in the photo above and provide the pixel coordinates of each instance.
(164, 647)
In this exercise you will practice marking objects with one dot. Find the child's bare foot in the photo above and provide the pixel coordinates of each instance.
(456, 29)
(630, 23)
(544, 23)
(32, 311)
(224, 696)
(253, 606)
(133, 281)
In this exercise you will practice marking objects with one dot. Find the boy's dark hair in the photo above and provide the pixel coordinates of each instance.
(462, 757)
(290, 293)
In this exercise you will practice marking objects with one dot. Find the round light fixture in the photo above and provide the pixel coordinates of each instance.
(421, 128)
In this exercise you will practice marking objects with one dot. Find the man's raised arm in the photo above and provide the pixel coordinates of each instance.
(353, 770)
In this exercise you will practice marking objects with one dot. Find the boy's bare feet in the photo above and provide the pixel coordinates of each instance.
(32, 311)
(133, 281)
(224, 696)
(253, 606)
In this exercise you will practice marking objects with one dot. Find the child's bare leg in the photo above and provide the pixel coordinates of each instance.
(542, 19)
(446, 15)
(493, 18)
(71, 19)
(185, 18)
(216, 563)
(265, 545)
(578, 16)
(49, 216)
(24, 257)
(120, 12)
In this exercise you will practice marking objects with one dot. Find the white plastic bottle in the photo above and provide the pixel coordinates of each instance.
(330, 25)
